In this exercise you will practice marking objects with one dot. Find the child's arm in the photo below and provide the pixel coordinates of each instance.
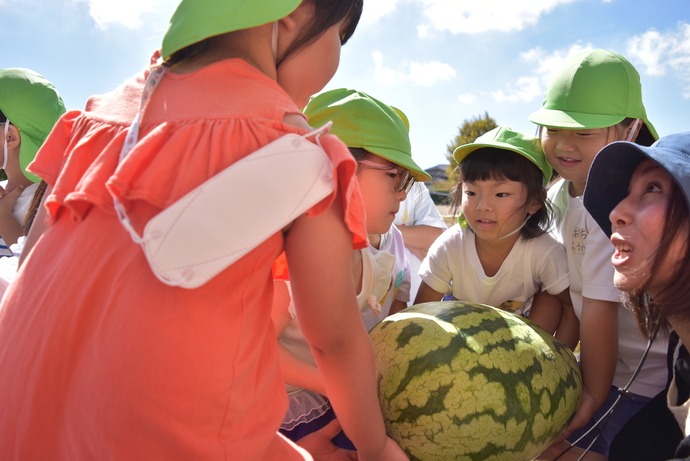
(397, 306)
(418, 239)
(319, 255)
(546, 311)
(296, 372)
(568, 330)
(598, 355)
(555, 314)
(427, 294)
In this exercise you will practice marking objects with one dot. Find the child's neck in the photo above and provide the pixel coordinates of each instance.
(492, 253)
(375, 240)
(576, 189)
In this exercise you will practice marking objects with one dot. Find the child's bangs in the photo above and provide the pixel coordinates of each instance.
(493, 164)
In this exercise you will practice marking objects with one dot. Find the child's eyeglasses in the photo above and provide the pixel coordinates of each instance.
(403, 182)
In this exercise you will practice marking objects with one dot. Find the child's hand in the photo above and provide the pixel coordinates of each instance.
(585, 410)
(8, 199)
(319, 444)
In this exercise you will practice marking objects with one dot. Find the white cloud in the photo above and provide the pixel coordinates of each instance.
(476, 16)
(528, 87)
(425, 74)
(467, 98)
(126, 12)
(658, 53)
(545, 63)
(525, 89)
(376, 9)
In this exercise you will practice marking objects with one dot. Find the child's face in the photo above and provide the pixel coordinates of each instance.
(571, 152)
(638, 225)
(310, 68)
(493, 209)
(381, 201)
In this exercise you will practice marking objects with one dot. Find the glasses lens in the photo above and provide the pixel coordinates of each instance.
(405, 182)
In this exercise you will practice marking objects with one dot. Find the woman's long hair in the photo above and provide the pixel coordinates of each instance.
(673, 301)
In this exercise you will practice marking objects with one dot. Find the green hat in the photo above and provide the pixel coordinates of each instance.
(503, 137)
(32, 104)
(196, 20)
(365, 122)
(593, 89)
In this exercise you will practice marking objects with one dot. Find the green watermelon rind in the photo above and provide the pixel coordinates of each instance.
(533, 395)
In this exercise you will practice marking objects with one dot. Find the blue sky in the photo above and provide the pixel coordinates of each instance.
(440, 61)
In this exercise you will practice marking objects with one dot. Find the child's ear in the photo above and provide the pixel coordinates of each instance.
(534, 206)
(290, 22)
(633, 130)
(13, 137)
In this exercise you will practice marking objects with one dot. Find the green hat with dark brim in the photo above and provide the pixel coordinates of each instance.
(504, 137)
(196, 20)
(361, 121)
(32, 104)
(593, 89)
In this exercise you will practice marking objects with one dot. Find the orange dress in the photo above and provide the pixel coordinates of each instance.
(99, 359)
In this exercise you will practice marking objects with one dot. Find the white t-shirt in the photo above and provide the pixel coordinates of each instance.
(453, 266)
(418, 209)
(589, 253)
(391, 242)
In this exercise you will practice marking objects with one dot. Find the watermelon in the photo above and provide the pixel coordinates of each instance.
(461, 381)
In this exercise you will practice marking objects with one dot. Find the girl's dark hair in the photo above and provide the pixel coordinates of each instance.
(33, 206)
(360, 154)
(671, 302)
(491, 163)
(327, 13)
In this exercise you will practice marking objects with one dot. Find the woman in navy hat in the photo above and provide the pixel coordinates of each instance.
(640, 197)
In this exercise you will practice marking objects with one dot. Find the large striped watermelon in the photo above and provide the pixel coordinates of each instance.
(461, 381)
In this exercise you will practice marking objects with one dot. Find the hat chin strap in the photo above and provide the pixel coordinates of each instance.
(633, 130)
(274, 42)
(4, 144)
(518, 229)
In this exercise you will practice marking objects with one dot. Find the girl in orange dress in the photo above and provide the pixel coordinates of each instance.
(100, 359)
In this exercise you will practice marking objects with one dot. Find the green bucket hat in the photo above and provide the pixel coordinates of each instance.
(365, 122)
(32, 104)
(593, 89)
(503, 137)
(196, 20)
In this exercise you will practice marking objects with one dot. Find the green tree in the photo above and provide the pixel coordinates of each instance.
(469, 131)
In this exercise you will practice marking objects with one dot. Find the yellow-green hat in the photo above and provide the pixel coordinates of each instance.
(196, 20)
(593, 89)
(32, 104)
(362, 121)
(504, 137)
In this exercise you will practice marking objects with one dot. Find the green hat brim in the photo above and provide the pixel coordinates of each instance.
(27, 152)
(32, 104)
(196, 20)
(394, 156)
(574, 120)
(362, 121)
(537, 158)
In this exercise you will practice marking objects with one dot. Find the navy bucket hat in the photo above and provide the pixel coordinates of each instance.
(610, 173)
